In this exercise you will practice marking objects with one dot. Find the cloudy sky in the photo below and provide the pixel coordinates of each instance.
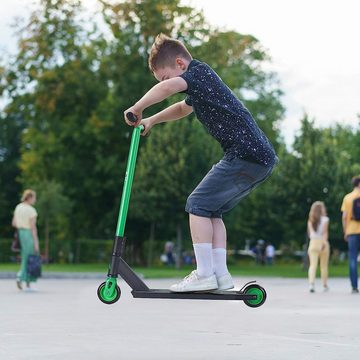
(314, 45)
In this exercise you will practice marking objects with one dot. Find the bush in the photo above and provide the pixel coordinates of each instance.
(6, 255)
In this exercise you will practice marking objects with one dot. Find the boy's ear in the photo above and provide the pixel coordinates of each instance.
(180, 63)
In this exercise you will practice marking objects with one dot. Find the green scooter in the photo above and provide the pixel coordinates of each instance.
(109, 292)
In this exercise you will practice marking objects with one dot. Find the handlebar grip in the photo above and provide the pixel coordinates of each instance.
(131, 117)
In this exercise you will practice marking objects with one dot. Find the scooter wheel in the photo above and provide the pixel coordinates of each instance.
(105, 298)
(260, 295)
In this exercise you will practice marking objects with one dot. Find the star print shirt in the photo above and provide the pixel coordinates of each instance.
(225, 117)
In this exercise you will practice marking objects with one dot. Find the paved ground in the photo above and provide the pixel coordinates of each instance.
(64, 320)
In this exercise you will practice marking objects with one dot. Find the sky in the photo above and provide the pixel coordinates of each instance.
(314, 46)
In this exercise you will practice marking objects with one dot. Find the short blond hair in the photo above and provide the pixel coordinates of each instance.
(28, 194)
(165, 50)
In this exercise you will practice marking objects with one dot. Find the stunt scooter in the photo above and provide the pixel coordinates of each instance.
(109, 292)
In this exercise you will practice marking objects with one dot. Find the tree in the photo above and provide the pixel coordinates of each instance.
(67, 88)
(319, 168)
(11, 128)
(53, 208)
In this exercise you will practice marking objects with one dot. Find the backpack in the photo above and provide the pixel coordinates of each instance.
(356, 209)
(34, 266)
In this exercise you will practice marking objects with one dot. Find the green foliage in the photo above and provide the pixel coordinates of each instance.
(54, 210)
(11, 127)
(319, 168)
(62, 132)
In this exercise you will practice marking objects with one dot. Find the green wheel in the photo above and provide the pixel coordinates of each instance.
(108, 298)
(260, 295)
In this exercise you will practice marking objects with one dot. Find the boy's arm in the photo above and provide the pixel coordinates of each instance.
(156, 94)
(171, 113)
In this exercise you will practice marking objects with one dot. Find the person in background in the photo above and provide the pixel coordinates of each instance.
(351, 224)
(24, 220)
(269, 254)
(319, 248)
(169, 249)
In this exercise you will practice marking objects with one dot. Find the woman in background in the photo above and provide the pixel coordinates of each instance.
(319, 248)
(24, 221)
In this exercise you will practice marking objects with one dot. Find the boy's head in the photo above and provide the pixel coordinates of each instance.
(168, 58)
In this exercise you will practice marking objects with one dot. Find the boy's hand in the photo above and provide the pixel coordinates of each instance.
(137, 112)
(148, 124)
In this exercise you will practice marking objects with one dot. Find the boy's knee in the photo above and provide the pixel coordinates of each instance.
(194, 207)
(191, 205)
(190, 201)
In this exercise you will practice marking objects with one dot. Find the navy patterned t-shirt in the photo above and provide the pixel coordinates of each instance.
(225, 117)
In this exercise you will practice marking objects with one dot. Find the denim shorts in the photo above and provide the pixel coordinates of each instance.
(225, 185)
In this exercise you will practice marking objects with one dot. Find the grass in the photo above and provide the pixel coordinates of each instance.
(287, 270)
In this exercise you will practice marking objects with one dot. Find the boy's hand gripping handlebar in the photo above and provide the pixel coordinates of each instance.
(131, 117)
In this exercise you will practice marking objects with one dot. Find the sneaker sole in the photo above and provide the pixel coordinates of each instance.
(191, 291)
(226, 288)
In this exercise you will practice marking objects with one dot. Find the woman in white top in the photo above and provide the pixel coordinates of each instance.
(24, 221)
(319, 248)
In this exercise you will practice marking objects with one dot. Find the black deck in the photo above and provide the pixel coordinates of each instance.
(215, 295)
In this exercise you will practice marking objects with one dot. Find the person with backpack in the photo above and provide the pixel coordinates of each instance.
(351, 224)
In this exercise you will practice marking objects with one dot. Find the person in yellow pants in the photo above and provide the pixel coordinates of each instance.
(319, 248)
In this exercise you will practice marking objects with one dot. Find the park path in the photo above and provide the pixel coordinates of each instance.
(65, 320)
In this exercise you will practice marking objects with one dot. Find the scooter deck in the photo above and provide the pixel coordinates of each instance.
(210, 295)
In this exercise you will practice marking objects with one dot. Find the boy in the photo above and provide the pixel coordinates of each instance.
(248, 155)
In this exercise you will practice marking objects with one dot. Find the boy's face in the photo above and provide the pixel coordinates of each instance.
(168, 72)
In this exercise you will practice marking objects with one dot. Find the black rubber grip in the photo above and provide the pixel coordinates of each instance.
(131, 117)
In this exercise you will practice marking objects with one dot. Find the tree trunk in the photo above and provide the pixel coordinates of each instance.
(178, 245)
(77, 251)
(47, 239)
(151, 244)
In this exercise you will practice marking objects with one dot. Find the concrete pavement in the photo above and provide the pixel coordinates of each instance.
(65, 320)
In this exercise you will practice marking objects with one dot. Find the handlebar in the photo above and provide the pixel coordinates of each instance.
(131, 117)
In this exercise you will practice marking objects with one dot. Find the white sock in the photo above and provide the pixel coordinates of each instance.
(204, 266)
(219, 261)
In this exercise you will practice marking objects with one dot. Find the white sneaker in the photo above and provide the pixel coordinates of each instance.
(194, 282)
(31, 289)
(225, 282)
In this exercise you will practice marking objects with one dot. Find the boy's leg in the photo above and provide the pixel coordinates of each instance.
(220, 186)
(223, 277)
(219, 233)
(201, 229)
(219, 247)
(203, 278)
